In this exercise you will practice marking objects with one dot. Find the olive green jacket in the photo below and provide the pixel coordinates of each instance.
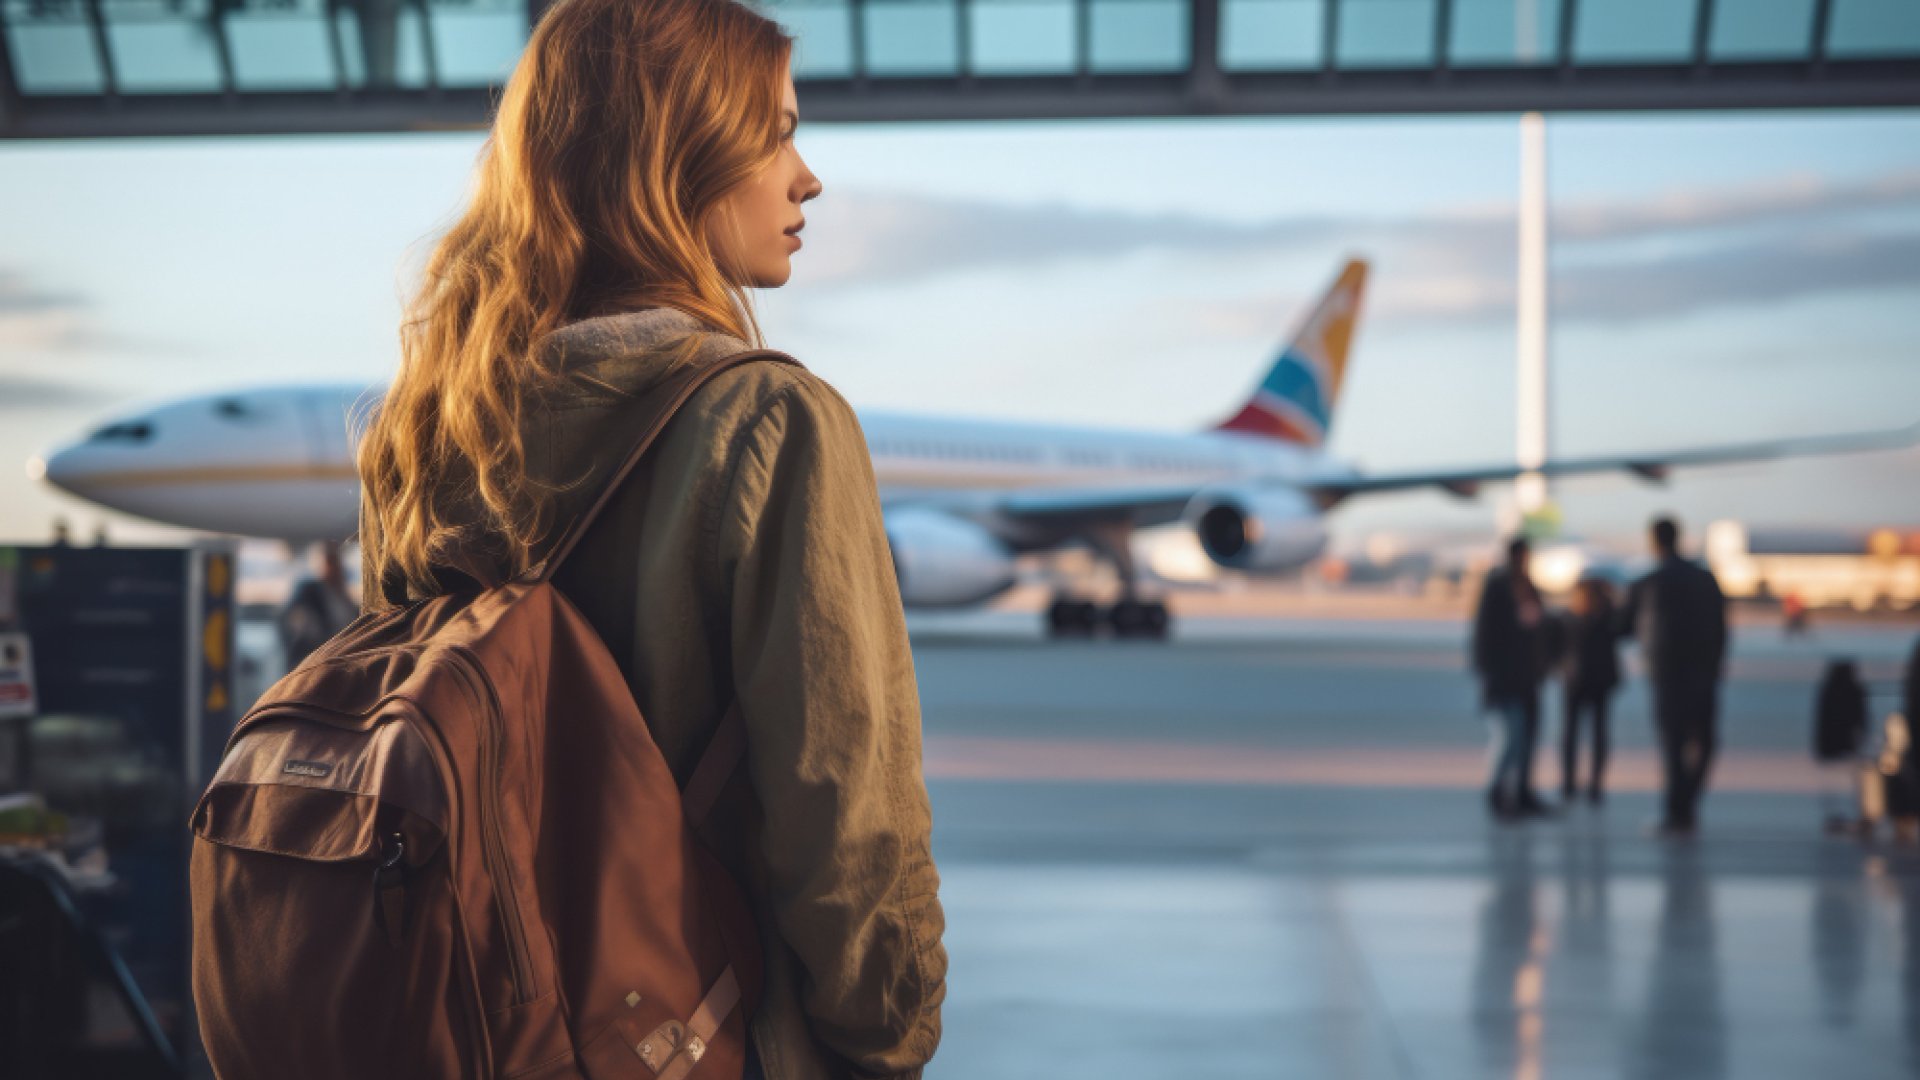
(746, 556)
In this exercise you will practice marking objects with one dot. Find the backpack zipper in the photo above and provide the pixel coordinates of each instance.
(505, 898)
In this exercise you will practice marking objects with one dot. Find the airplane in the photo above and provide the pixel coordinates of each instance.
(961, 497)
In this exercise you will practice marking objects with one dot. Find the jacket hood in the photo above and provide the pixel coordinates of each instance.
(577, 426)
(577, 429)
(626, 354)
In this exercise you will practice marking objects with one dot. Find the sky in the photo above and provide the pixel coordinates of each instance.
(1715, 277)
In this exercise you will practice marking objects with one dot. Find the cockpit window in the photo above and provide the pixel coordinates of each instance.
(231, 409)
(125, 431)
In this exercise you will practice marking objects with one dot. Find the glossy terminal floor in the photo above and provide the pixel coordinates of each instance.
(1258, 852)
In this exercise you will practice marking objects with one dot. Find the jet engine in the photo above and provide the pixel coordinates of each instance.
(1265, 530)
(944, 560)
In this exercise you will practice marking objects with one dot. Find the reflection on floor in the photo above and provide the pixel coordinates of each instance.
(1568, 949)
(1223, 920)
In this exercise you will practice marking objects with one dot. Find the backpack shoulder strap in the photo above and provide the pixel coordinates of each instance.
(723, 755)
(674, 394)
(729, 742)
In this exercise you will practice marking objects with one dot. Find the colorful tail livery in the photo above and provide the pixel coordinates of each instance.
(1295, 401)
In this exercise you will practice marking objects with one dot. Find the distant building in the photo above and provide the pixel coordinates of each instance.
(1864, 569)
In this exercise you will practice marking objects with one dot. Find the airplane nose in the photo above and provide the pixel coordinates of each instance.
(53, 467)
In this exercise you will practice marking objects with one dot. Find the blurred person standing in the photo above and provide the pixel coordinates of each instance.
(1839, 735)
(1910, 684)
(320, 606)
(1680, 617)
(1509, 655)
(1589, 673)
(1793, 615)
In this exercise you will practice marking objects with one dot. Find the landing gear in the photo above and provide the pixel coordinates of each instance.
(1129, 617)
(1069, 617)
(1138, 619)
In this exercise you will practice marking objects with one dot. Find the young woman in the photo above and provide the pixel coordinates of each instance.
(641, 176)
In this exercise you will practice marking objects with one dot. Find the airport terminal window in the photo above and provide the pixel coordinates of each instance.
(1021, 37)
(51, 47)
(823, 37)
(475, 42)
(280, 45)
(1272, 35)
(912, 37)
(390, 51)
(161, 47)
(1761, 29)
(1504, 33)
(1385, 33)
(1870, 28)
(164, 46)
(1140, 36)
(1634, 32)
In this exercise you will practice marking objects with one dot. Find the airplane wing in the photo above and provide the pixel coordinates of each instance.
(1158, 505)
(1649, 465)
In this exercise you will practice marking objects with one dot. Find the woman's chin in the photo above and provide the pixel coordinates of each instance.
(773, 275)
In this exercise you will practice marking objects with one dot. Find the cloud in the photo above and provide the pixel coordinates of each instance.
(1766, 271)
(37, 320)
(34, 318)
(1780, 200)
(25, 394)
(1763, 272)
(17, 297)
(1458, 264)
(885, 237)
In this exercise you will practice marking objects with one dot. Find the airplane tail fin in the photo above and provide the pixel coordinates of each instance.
(1295, 401)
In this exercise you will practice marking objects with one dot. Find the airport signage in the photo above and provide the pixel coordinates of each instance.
(17, 699)
(133, 688)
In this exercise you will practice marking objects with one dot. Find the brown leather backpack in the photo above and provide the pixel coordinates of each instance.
(446, 846)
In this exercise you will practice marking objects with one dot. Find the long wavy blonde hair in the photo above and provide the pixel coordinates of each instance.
(621, 128)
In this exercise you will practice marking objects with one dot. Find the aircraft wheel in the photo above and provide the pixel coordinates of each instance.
(1067, 617)
(1138, 619)
(1159, 622)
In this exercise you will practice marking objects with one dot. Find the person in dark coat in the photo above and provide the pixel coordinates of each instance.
(1839, 736)
(1910, 686)
(1589, 673)
(320, 606)
(1840, 717)
(1680, 617)
(1509, 655)
(1903, 796)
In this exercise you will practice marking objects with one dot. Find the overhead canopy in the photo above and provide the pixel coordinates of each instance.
(159, 67)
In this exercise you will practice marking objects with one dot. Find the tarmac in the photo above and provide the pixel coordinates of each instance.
(1259, 851)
